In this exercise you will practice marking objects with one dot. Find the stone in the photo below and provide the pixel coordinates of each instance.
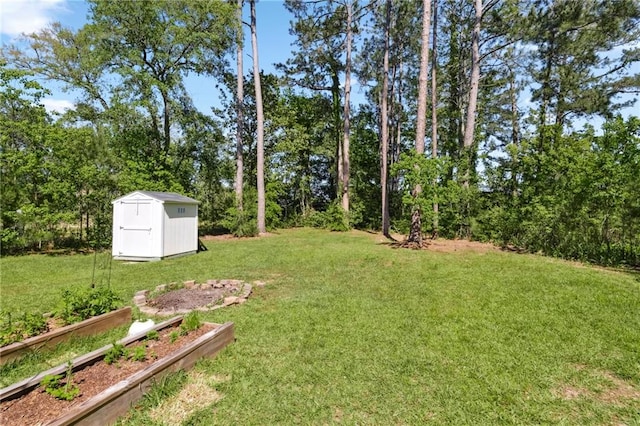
(191, 284)
(260, 283)
(161, 287)
(140, 300)
(230, 300)
(246, 291)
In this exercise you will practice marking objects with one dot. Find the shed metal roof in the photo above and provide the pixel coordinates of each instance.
(165, 197)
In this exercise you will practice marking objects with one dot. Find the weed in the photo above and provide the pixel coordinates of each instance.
(139, 353)
(116, 352)
(190, 322)
(78, 305)
(173, 336)
(56, 387)
(153, 335)
(15, 328)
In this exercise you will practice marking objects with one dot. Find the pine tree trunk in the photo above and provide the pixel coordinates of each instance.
(384, 125)
(239, 117)
(415, 234)
(347, 112)
(472, 107)
(434, 113)
(260, 123)
(335, 95)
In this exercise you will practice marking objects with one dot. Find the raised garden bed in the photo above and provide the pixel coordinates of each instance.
(108, 391)
(87, 327)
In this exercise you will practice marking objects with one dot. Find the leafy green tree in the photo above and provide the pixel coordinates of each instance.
(575, 72)
(54, 176)
(303, 153)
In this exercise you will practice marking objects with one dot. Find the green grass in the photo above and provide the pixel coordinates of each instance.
(350, 330)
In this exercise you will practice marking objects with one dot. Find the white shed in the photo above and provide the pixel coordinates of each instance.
(154, 225)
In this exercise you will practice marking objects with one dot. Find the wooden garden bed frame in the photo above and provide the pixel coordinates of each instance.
(87, 327)
(115, 401)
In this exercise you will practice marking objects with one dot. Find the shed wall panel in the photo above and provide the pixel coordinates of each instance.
(180, 228)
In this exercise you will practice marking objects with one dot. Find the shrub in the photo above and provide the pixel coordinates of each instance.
(78, 305)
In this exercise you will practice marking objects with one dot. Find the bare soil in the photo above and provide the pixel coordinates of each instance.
(190, 298)
(440, 245)
(38, 407)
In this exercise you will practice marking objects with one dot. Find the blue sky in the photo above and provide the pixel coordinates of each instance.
(27, 16)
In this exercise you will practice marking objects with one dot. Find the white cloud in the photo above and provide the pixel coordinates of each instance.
(27, 16)
(57, 105)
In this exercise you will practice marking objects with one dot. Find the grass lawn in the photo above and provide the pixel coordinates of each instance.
(349, 330)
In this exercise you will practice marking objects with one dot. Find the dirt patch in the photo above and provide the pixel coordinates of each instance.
(617, 391)
(38, 407)
(217, 237)
(172, 299)
(223, 237)
(185, 298)
(439, 245)
(450, 246)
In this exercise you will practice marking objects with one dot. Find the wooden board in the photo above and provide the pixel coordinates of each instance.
(87, 327)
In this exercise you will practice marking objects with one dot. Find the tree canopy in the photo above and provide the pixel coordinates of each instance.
(517, 138)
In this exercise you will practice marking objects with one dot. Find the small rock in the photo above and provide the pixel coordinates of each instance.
(260, 283)
(191, 284)
(246, 291)
(140, 300)
(230, 300)
(161, 287)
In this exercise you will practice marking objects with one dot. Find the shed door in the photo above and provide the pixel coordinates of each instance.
(135, 230)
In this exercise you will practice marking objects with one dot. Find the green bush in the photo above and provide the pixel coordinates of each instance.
(78, 305)
(14, 328)
(240, 223)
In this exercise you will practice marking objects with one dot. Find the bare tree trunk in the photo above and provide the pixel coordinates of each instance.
(434, 113)
(347, 111)
(262, 229)
(515, 132)
(415, 232)
(335, 95)
(384, 124)
(472, 106)
(395, 153)
(166, 122)
(239, 116)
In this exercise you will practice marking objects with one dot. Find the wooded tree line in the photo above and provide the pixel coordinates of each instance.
(493, 120)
